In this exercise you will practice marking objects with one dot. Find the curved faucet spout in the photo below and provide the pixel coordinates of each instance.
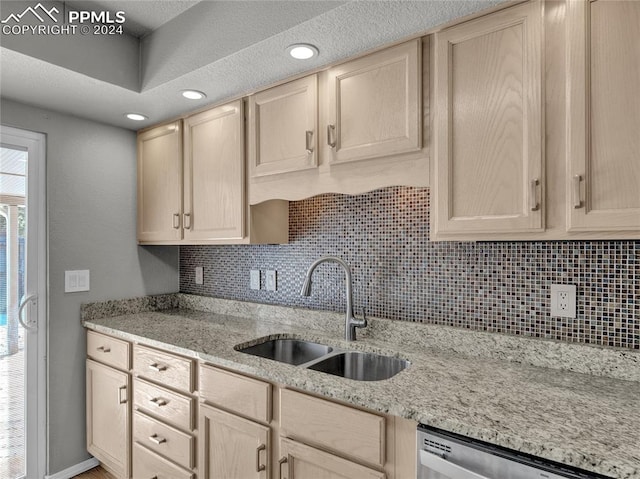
(351, 322)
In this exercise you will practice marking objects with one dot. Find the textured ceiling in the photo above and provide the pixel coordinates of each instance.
(222, 48)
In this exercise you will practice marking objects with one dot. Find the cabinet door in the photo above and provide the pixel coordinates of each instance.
(604, 116)
(109, 417)
(489, 165)
(374, 105)
(299, 461)
(283, 131)
(214, 194)
(160, 183)
(232, 447)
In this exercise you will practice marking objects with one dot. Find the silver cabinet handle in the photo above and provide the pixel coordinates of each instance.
(446, 468)
(104, 349)
(331, 135)
(158, 402)
(533, 194)
(309, 142)
(157, 439)
(187, 221)
(157, 368)
(176, 221)
(25, 301)
(260, 467)
(120, 389)
(280, 463)
(576, 191)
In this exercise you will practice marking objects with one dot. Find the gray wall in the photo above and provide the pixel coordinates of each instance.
(91, 200)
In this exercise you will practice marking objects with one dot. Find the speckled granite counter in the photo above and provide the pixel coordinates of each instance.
(484, 386)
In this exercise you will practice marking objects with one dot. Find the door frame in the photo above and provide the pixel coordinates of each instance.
(36, 269)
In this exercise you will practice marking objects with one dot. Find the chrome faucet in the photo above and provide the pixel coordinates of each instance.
(351, 322)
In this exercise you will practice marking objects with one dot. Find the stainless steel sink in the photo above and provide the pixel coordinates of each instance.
(290, 351)
(361, 366)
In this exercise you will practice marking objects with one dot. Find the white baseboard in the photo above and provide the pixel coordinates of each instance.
(72, 471)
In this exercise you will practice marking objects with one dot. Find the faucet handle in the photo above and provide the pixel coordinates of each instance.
(364, 318)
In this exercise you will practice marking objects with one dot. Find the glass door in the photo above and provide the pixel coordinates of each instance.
(22, 304)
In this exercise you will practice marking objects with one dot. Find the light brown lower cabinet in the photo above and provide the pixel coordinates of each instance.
(109, 417)
(232, 447)
(299, 461)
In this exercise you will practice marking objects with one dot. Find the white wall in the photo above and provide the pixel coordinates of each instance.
(91, 200)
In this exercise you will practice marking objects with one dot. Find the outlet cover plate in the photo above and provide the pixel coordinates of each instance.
(254, 279)
(271, 280)
(563, 300)
(76, 281)
(199, 270)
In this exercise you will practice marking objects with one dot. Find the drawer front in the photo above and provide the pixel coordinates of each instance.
(163, 439)
(160, 402)
(246, 396)
(108, 350)
(165, 368)
(147, 465)
(337, 428)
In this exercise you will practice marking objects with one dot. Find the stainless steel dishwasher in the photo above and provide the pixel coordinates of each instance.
(443, 455)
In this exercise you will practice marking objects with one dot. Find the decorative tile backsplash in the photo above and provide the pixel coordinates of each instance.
(399, 274)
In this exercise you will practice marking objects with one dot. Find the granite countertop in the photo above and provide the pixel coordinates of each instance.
(590, 421)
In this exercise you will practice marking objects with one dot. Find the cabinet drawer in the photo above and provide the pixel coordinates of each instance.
(147, 465)
(160, 402)
(245, 396)
(337, 428)
(173, 371)
(163, 439)
(108, 350)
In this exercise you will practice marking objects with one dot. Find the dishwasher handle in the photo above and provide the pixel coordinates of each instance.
(439, 464)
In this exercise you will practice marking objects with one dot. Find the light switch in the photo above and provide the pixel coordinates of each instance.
(76, 281)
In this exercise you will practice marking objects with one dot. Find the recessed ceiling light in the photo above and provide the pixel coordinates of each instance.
(193, 94)
(302, 51)
(136, 116)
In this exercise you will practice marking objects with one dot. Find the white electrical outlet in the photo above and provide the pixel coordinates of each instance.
(254, 279)
(199, 275)
(563, 300)
(271, 280)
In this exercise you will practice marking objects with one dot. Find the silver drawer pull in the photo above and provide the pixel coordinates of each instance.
(120, 390)
(309, 141)
(176, 220)
(157, 439)
(104, 349)
(158, 402)
(577, 203)
(533, 195)
(260, 467)
(157, 368)
(331, 135)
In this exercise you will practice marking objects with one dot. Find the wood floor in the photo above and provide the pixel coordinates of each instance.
(95, 473)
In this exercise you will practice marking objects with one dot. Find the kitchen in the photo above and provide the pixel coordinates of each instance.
(410, 263)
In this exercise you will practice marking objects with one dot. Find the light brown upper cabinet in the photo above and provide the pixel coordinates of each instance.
(374, 105)
(191, 184)
(352, 128)
(160, 183)
(214, 196)
(603, 144)
(284, 128)
(489, 169)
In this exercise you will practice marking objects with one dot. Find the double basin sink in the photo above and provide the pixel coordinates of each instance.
(355, 365)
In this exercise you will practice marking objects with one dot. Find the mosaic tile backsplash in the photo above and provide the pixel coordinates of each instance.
(399, 274)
